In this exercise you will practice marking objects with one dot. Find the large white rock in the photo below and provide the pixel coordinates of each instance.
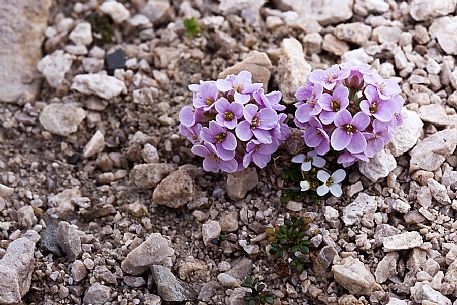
(102, 85)
(406, 135)
(55, 66)
(360, 211)
(423, 292)
(95, 145)
(427, 9)
(444, 29)
(379, 166)
(115, 10)
(402, 241)
(62, 119)
(353, 275)
(82, 34)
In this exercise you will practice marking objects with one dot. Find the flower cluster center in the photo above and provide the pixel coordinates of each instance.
(336, 105)
(228, 116)
(329, 181)
(255, 122)
(209, 101)
(374, 107)
(220, 137)
(349, 128)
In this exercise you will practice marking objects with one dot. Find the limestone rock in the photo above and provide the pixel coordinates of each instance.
(176, 190)
(444, 29)
(257, 63)
(423, 292)
(95, 145)
(148, 176)
(22, 26)
(361, 210)
(54, 67)
(153, 251)
(355, 32)
(229, 222)
(402, 241)
(16, 268)
(293, 69)
(379, 166)
(115, 10)
(435, 114)
(169, 288)
(82, 34)
(78, 271)
(333, 45)
(210, 231)
(62, 119)
(238, 184)
(65, 200)
(387, 267)
(353, 275)
(69, 240)
(157, 11)
(406, 135)
(428, 9)
(97, 294)
(102, 85)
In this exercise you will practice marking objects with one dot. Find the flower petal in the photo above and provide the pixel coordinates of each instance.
(241, 98)
(319, 162)
(201, 151)
(243, 131)
(261, 160)
(225, 154)
(224, 85)
(322, 190)
(230, 141)
(306, 166)
(360, 121)
(357, 143)
(343, 117)
(338, 176)
(211, 165)
(264, 136)
(336, 190)
(250, 111)
(340, 139)
(323, 175)
(298, 158)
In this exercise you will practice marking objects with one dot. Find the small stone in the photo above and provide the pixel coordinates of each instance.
(82, 34)
(55, 66)
(403, 241)
(115, 60)
(115, 10)
(257, 63)
(387, 34)
(152, 299)
(49, 240)
(406, 135)
(62, 119)
(326, 256)
(401, 206)
(26, 216)
(434, 114)
(150, 154)
(355, 32)
(104, 86)
(97, 294)
(6, 191)
(16, 268)
(387, 267)
(379, 166)
(355, 188)
(208, 291)
(293, 69)
(238, 184)
(65, 200)
(95, 145)
(148, 176)
(422, 292)
(353, 275)
(229, 222)
(427, 9)
(69, 240)
(312, 43)
(78, 271)
(356, 56)
(154, 250)
(444, 29)
(294, 206)
(169, 288)
(395, 301)
(334, 45)
(176, 190)
(360, 211)
(438, 191)
(157, 11)
(330, 213)
(227, 280)
(134, 281)
(210, 231)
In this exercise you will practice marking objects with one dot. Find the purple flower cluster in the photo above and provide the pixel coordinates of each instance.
(233, 123)
(349, 108)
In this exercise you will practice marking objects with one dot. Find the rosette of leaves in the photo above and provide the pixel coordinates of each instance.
(290, 241)
(258, 294)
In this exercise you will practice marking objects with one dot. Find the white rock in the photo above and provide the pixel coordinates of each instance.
(210, 231)
(376, 6)
(355, 32)
(428, 9)
(439, 191)
(233, 6)
(62, 119)
(356, 56)
(116, 11)
(95, 145)
(6, 191)
(401, 206)
(402, 241)
(444, 29)
(435, 114)
(82, 34)
(423, 292)
(227, 280)
(406, 135)
(379, 166)
(395, 301)
(360, 211)
(150, 154)
(387, 267)
(330, 213)
(55, 66)
(293, 68)
(353, 275)
(102, 85)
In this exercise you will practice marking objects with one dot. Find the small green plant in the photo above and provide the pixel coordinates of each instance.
(102, 27)
(192, 26)
(291, 242)
(258, 294)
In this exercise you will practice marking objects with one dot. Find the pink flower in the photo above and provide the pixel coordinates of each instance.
(258, 123)
(373, 105)
(315, 136)
(348, 133)
(329, 78)
(331, 104)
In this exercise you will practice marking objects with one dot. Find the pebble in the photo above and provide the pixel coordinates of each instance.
(402, 241)
(169, 288)
(104, 86)
(16, 268)
(238, 184)
(115, 10)
(395, 301)
(155, 250)
(6, 191)
(294, 206)
(422, 292)
(134, 281)
(326, 12)
(54, 67)
(353, 275)
(62, 119)
(326, 256)
(428, 9)
(65, 200)
(156, 10)
(312, 43)
(49, 240)
(150, 154)
(227, 280)
(335, 46)
(210, 230)
(444, 29)
(152, 299)
(148, 176)
(355, 32)
(115, 60)
(175, 191)
(26, 216)
(438, 191)
(434, 114)
(95, 145)
(78, 271)
(406, 135)
(97, 294)
(360, 211)
(379, 166)
(229, 222)
(69, 240)
(387, 267)
(82, 34)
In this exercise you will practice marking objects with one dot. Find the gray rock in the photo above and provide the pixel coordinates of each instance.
(444, 29)
(102, 85)
(153, 251)
(208, 291)
(406, 135)
(152, 299)
(26, 216)
(49, 240)
(353, 275)
(158, 11)
(257, 63)
(227, 280)
(95, 145)
(423, 292)
(54, 67)
(175, 191)
(438, 191)
(402, 241)
(16, 268)
(379, 166)
(150, 154)
(238, 184)
(387, 267)
(69, 240)
(241, 268)
(81, 34)
(427, 9)
(210, 231)
(293, 69)
(22, 26)
(148, 176)
(97, 294)
(360, 211)
(65, 200)
(134, 281)
(326, 256)
(62, 119)
(169, 288)
(6, 191)
(78, 271)
(355, 32)
(229, 222)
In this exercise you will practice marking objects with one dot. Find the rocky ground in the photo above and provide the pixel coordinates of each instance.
(102, 202)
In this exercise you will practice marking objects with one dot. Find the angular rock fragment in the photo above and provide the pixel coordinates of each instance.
(387, 267)
(379, 166)
(403, 241)
(428, 9)
(238, 184)
(148, 176)
(406, 135)
(62, 119)
(97, 294)
(176, 190)
(104, 86)
(54, 67)
(169, 288)
(353, 275)
(95, 145)
(69, 240)
(360, 211)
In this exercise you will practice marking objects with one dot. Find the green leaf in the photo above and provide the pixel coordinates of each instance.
(192, 27)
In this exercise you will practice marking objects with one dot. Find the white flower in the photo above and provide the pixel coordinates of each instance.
(304, 185)
(311, 158)
(331, 183)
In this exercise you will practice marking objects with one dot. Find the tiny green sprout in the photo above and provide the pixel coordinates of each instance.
(192, 26)
(258, 294)
(290, 241)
